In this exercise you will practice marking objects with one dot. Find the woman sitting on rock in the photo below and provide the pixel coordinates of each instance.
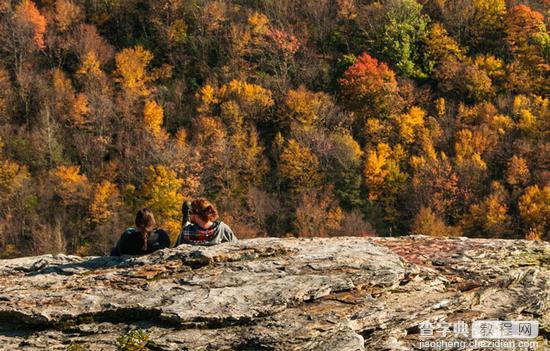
(204, 228)
(144, 238)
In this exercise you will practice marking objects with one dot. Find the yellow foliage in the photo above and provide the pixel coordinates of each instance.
(249, 96)
(532, 115)
(534, 210)
(231, 115)
(490, 216)
(211, 133)
(70, 185)
(377, 131)
(181, 139)
(251, 99)
(427, 222)
(410, 123)
(517, 172)
(153, 117)
(305, 107)
(105, 201)
(440, 106)
(131, 70)
(527, 122)
(12, 178)
(299, 165)
(502, 124)
(469, 144)
(61, 84)
(162, 194)
(493, 66)
(259, 23)
(207, 97)
(90, 65)
(381, 172)
(247, 157)
(177, 32)
(173, 228)
(353, 146)
(375, 170)
(441, 45)
(520, 103)
(80, 108)
(489, 14)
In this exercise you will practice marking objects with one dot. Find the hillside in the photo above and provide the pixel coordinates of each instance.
(273, 294)
(296, 118)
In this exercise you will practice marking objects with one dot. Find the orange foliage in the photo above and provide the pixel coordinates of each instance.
(70, 185)
(368, 85)
(27, 12)
(523, 24)
(287, 43)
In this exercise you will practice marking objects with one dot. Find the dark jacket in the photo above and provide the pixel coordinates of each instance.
(194, 234)
(131, 242)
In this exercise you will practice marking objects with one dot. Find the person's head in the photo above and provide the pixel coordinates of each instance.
(145, 221)
(203, 210)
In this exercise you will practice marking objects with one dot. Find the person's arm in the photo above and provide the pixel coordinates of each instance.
(228, 235)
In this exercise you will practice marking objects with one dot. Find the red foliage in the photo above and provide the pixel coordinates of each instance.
(368, 82)
(285, 42)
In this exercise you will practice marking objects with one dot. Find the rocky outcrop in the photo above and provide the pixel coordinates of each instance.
(274, 294)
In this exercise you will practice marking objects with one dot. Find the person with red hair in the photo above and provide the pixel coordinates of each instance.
(203, 226)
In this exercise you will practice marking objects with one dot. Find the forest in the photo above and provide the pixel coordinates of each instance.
(296, 117)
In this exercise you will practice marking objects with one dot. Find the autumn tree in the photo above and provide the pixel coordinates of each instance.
(132, 70)
(517, 171)
(28, 16)
(427, 222)
(490, 217)
(73, 191)
(238, 99)
(306, 108)
(67, 14)
(370, 88)
(534, 208)
(104, 218)
(161, 193)
(435, 187)
(440, 47)
(299, 166)
(384, 178)
(528, 37)
(318, 215)
(70, 185)
(153, 117)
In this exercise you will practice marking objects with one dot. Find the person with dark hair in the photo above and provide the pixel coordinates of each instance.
(144, 238)
(204, 227)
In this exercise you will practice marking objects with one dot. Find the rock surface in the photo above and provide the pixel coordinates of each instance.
(340, 294)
